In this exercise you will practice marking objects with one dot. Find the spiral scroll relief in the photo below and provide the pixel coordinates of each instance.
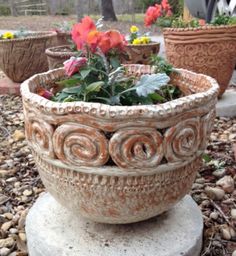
(136, 148)
(40, 133)
(80, 145)
(182, 140)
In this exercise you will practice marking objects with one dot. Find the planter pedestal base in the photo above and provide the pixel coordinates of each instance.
(52, 230)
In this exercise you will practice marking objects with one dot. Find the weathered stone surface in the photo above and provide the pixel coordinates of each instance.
(226, 106)
(52, 230)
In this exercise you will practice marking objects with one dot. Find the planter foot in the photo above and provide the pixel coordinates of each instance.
(52, 230)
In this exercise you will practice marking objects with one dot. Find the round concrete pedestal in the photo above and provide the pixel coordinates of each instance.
(52, 230)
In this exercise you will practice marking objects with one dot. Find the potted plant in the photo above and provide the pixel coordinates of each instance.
(140, 48)
(57, 55)
(117, 144)
(63, 30)
(22, 54)
(196, 46)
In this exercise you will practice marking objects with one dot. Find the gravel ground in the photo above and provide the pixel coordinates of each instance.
(214, 189)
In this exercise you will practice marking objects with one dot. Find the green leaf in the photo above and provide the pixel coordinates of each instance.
(115, 62)
(72, 90)
(150, 83)
(206, 158)
(94, 87)
(156, 97)
(71, 82)
(84, 73)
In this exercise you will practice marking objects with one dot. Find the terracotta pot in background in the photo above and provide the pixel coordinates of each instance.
(63, 38)
(57, 55)
(20, 58)
(119, 164)
(210, 50)
(140, 54)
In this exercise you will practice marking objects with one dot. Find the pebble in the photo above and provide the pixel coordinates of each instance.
(22, 236)
(215, 193)
(18, 135)
(214, 215)
(4, 251)
(226, 233)
(8, 215)
(27, 192)
(227, 183)
(13, 230)
(5, 226)
(219, 173)
(233, 214)
(8, 242)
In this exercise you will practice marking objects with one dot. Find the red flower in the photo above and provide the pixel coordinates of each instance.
(165, 5)
(72, 65)
(45, 93)
(202, 22)
(152, 13)
(117, 40)
(81, 30)
(106, 41)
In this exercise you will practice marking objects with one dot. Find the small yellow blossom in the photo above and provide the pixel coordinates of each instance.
(142, 40)
(137, 41)
(134, 29)
(145, 40)
(8, 35)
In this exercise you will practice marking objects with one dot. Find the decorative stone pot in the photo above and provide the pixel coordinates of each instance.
(209, 50)
(57, 55)
(140, 53)
(20, 58)
(63, 38)
(120, 164)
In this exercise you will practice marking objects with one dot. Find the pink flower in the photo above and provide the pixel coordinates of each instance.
(73, 65)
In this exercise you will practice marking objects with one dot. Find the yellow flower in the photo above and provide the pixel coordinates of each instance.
(134, 29)
(145, 40)
(8, 35)
(137, 41)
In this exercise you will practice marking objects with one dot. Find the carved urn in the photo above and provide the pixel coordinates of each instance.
(140, 53)
(120, 164)
(210, 50)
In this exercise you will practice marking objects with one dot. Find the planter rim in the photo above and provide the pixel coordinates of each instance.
(116, 112)
(51, 53)
(206, 27)
(33, 35)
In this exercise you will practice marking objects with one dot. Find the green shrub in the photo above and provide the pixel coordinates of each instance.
(4, 10)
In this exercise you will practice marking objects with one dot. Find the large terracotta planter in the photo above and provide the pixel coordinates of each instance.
(119, 164)
(57, 55)
(210, 50)
(140, 54)
(23, 57)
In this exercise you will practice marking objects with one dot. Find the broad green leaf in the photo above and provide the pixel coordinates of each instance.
(68, 82)
(150, 83)
(115, 62)
(72, 90)
(84, 73)
(94, 87)
(156, 97)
